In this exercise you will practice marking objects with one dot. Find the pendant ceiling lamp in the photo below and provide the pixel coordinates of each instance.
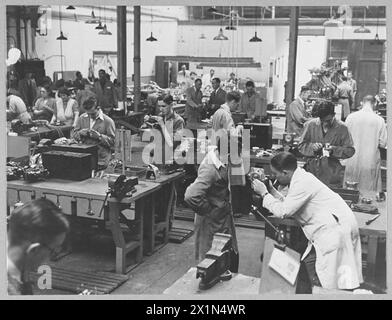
(377, 40)
(93, 19)
(255, 38)
(151, 38)
(332, 21)
(105, 31)
(61, 37)
(362, 28)
(70, 8)
(221, 36)
(99, 26)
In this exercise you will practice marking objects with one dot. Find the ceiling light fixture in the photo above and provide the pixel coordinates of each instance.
(151, 38)
(221, 36)
(93, 19)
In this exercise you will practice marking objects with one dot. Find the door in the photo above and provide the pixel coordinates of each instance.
(368, 79)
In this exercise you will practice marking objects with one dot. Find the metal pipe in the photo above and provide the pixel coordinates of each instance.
(136, 58)
(293, 39)
(122, 51)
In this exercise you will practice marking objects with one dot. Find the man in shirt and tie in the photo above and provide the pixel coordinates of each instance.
(251, 103)
(95, 127)
(184, 77)
(296, 114)
(217, 98)
(194, 105)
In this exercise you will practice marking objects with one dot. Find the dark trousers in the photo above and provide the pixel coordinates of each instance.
(307, 276)
(234, 262)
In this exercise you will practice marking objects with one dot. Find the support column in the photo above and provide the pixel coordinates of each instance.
(136, 57)
(122, 52)
(290, 87)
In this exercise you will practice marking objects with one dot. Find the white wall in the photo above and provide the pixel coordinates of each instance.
(83, 40)
(311, 53)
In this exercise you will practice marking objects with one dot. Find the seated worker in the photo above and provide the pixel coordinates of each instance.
(44, 106)
(66, 109)
(209, 197)
(152, 104)
(95, 127)
(16, 109)
(217, 98)
(222, 118)
(170, 121)
(36, 231)
(333, 256)
(326, 134)
(251, 102)
(296, 114)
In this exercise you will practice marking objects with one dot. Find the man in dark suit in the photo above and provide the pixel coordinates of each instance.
(27, 88)
(106, 92)
(217, 98)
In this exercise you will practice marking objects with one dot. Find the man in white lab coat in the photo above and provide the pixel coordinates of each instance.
(369, 133)
(326, 220)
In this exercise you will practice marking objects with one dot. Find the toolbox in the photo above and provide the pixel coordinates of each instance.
(68, 165)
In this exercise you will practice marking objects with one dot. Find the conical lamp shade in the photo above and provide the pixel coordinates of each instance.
(99, 26)
(93, 19)
(202, 36)
(61, 37)
(151, 38)
(105, 31)
(70, 8)
(221, 36)
(255, 38)
(362, 29)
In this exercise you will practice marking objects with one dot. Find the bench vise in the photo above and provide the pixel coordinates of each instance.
(215, 266)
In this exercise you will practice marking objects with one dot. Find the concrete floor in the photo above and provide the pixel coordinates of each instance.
(160, 270)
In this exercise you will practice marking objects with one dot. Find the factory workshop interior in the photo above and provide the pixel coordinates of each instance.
(196, 150)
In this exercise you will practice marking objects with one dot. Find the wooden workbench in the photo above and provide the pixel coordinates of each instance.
(84, 199)
(239, 284)
(160, 211)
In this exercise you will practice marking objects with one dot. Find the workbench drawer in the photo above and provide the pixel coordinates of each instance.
(64, 202)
